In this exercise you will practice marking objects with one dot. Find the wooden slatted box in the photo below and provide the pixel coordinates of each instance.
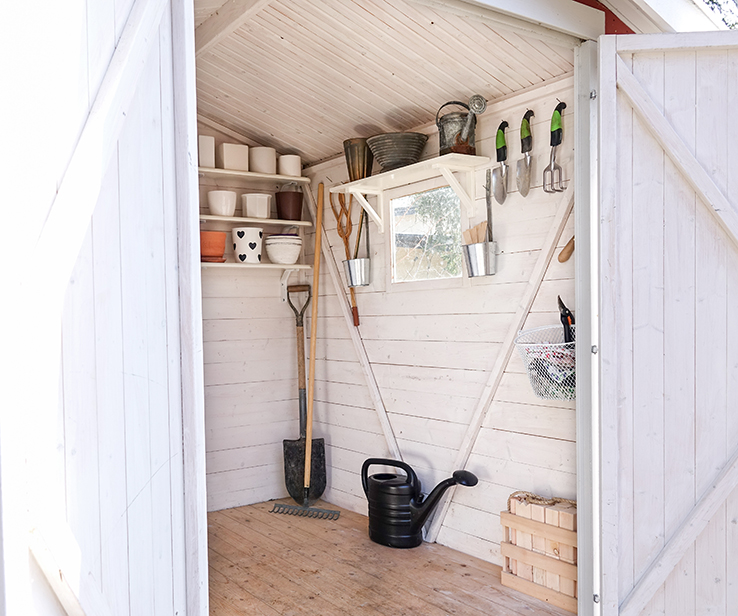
(540, 551)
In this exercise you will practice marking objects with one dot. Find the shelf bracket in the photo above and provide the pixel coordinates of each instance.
(283, 283)
(377, 218)
(466, 198)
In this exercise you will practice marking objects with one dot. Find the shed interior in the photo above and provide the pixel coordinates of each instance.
(302, 77)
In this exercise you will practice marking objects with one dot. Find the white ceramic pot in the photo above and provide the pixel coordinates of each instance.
(206, 151)
(222, 202)
(263, 160)
(256, 205)
(247, 244)
(290, 164)
(232, 156)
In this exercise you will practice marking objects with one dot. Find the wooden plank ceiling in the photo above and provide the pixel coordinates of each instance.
(303, 76)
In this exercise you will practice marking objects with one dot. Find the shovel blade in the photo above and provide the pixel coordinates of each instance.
(499, 190)
(294, 469)
(522, 176)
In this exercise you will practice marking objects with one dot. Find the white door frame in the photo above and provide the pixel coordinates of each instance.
(190, 307)
(586, 273)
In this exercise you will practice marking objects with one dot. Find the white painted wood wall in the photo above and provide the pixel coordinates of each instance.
(102, 456)
(250, 371)
(669, 298)
(431, 347)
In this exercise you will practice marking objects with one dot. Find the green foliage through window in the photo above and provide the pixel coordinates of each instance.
(426, 236)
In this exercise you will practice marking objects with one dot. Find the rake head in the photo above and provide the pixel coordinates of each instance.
(305, 512)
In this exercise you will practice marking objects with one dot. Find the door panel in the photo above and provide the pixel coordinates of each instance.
(669, 322)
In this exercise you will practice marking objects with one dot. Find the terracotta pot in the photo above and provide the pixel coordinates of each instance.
(212, 243)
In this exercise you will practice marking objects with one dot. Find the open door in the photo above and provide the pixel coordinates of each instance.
(669, 323)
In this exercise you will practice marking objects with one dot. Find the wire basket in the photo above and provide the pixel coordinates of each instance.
(550, 362)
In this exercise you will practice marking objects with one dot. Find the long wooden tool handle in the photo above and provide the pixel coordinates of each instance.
(313, 341)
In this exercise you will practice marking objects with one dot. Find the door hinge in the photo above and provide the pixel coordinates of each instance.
(596, 598)
(594, 349)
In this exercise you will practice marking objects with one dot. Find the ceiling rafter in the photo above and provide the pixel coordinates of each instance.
(226, 20)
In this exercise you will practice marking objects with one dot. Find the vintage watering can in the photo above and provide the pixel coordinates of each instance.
(397, 509)
(456, 129)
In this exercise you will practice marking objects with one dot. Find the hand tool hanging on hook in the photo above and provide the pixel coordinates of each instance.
(499, 174)
(552, 175)
(522, 175)
(344, 227)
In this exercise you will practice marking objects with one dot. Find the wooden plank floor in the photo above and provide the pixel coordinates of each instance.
(267, 563)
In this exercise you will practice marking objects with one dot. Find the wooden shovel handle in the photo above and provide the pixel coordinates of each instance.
(313, 341)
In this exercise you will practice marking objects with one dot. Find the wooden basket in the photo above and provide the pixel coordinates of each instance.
(540, 551)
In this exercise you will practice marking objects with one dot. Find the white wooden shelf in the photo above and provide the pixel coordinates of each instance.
(256, 221)
(260, 266)
(258, 180)
(444, 166)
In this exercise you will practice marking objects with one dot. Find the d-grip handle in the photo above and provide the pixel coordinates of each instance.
(411, 476)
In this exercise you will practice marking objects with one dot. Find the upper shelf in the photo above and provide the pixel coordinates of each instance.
(445, 166)
(254, 179)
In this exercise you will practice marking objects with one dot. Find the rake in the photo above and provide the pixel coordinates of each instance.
(305, 512)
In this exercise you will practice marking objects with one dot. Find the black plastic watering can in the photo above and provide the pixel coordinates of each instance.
(397, 509)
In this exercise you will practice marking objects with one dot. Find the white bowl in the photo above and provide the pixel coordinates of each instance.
(222, 202)
(282, 252)
(256, 205)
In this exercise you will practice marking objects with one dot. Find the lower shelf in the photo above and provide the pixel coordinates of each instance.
(245, 266)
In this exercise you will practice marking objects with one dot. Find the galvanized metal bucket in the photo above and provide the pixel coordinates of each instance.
(481, 259)
(358, 272)
(450, 127)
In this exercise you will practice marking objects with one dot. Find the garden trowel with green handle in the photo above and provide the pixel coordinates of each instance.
(522, 174)
(499, 174)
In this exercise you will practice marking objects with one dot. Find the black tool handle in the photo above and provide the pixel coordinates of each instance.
(500, 142)
(556, 131)
(526, 139)
(411, 476)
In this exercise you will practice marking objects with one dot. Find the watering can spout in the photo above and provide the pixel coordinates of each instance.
(422, 509)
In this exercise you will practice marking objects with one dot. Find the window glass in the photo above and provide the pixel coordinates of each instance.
(426, 236)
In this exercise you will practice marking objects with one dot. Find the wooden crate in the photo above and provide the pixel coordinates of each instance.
(540, 551)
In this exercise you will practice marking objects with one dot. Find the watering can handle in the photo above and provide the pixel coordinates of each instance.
(464, 105)
(411, 476)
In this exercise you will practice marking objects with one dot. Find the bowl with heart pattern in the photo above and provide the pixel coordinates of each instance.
(247, 244)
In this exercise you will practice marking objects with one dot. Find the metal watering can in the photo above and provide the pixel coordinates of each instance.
(456, 129)
(397, 509)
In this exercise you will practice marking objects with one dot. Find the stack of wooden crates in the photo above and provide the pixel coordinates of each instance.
(540, 551)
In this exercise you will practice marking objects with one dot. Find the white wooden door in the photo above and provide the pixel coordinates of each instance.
(669, 323)
(101, 359)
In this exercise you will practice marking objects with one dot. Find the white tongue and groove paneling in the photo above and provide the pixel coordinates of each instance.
(108, 480)
(431, 347)
(669, 300)
(302, 76)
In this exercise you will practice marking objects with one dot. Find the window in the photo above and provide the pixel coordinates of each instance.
(426, 236)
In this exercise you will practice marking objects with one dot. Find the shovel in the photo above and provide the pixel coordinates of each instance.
(294, 450)
(499, 175)
(522, 175)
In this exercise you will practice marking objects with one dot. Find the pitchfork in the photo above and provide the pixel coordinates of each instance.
(552, 175)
